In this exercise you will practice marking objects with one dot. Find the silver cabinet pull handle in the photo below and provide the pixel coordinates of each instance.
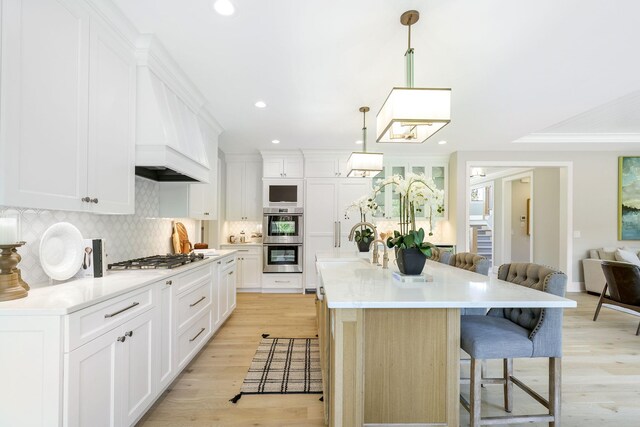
(128, 334)
(283, 281)
(197, 302)
(321, 290)
(243, 250)
(106, 316)
(197, 335)
(230, 261)
(339, 231)
(230, 273)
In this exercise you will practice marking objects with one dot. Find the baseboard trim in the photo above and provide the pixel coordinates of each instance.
(576, 287)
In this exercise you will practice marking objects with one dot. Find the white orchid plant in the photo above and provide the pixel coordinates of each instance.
(416, 192)
(365, 205)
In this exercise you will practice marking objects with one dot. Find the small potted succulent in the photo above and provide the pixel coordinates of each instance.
(365, 205)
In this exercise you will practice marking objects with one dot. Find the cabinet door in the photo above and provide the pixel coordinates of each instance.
(137, 367)
(293, 167)
(321, 222)
(223, 292)
(273, 168)
(348, 191)
(111, 144)
(251, 266)
(252, 192)
(342, 170)
(320, 168)
(92, 381)
(167, 336)
(439, 176)
(231, 289)
(235, 182)
(43, 120)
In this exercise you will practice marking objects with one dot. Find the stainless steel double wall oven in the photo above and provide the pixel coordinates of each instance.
(282, 229)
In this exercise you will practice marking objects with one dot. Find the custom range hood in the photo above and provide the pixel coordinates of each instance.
(169, 139)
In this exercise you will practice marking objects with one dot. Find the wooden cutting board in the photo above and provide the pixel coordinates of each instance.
(175, 239)
(185, 244)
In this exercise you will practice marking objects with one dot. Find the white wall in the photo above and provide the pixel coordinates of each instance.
(546, 217)
(520, 240)
(594, 203)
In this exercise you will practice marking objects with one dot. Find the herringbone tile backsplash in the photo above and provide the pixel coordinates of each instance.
(126, 236)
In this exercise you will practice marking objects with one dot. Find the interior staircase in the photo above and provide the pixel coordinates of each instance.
(484, 241)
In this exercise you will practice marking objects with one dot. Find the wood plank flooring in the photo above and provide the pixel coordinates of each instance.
(601, 371)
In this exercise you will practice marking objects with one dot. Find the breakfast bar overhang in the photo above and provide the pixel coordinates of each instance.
(390, 350)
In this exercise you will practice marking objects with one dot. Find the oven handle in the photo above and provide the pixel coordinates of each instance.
(335, 227)
(339, 231)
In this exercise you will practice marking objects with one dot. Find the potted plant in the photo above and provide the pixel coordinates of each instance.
(415, 192)
(364, 236)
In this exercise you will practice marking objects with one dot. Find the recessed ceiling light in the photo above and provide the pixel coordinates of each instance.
(260, 104)
(224, 7)
(275, 141)
(359, 142)
(442, 142)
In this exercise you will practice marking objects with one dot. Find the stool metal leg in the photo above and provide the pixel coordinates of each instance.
(507, 369)
(555, 378)
(475, 390)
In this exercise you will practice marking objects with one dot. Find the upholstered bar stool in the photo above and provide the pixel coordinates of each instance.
(472, 262)
(445, 257)
(509, 333)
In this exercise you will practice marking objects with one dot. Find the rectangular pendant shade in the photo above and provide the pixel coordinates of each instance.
(413, 115)
(364, 164)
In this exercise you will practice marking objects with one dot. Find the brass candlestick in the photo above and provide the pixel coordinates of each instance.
(17, 270)
(10, 287)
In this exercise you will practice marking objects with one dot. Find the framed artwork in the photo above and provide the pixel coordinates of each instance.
(629, 198)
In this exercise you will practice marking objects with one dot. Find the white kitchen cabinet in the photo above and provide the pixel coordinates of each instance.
(282, 166)
(67, 88)
(226, 287)
(326, 166)
(249, 266)
(244, 190)
(110, 380)
(167, 339)
(388, 199)
(325, 224)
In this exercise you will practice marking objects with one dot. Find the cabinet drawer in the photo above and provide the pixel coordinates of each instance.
(228, 262)
(193, 302)
(192, 278)
(84, 325)
(189, 342)
(244, 249)
(282, 281)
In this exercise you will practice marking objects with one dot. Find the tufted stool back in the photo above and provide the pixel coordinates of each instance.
(444, 257)
(470, 261)
(541, 278)
(435, 254)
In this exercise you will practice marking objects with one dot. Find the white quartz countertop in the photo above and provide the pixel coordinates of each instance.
(77, 294)
(353, 283)
(237, 245)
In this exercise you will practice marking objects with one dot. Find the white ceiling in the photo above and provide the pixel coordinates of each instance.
(515, 67)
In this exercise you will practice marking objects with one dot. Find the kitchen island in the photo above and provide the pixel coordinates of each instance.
(390, 350)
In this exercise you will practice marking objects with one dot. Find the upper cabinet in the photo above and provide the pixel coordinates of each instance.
(388, 198)
(244, 189)
(322, 165)
(67, 99)
(282, 165)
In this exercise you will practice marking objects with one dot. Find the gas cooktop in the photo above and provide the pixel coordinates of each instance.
(156, 261)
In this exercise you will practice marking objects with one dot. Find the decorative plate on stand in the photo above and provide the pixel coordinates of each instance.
(61, 251)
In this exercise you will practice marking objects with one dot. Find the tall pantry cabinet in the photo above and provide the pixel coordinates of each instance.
(67, 99)
(326, 225)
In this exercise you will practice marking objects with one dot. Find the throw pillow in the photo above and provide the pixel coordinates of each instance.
(607, 255)
(627, 256)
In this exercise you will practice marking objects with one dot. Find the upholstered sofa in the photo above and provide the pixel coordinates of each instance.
(593, 276)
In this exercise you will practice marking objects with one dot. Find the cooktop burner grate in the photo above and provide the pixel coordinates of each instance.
(156, 261)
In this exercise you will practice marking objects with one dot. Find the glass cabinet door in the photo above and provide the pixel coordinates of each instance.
(380, 197)
(395, 197)
(438, 176)
(420, 210)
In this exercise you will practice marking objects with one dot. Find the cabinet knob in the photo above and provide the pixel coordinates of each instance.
(94, 201)
(128, 334)
(169, 282)
(206, 213)
(86, 199)
(121, 339)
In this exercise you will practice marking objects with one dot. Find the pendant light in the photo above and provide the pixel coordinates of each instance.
(361, 163)
(412, 115)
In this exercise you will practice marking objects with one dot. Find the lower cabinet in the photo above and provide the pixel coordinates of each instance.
(106, 364)
(249, 266)
(111, 380)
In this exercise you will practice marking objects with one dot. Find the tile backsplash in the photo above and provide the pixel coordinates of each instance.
(126, 236)
(235, 227)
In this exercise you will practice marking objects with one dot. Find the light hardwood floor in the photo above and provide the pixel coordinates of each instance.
(601, 371)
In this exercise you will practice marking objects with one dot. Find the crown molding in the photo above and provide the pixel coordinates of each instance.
(579, 138)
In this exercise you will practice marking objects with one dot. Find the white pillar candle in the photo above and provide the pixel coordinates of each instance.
(8, 231)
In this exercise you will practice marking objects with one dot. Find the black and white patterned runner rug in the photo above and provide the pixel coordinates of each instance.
(283, 366)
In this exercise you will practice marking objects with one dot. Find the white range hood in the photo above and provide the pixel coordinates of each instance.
(169, 140)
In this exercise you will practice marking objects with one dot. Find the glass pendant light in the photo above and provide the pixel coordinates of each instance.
(361, 163)
(411, 114)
